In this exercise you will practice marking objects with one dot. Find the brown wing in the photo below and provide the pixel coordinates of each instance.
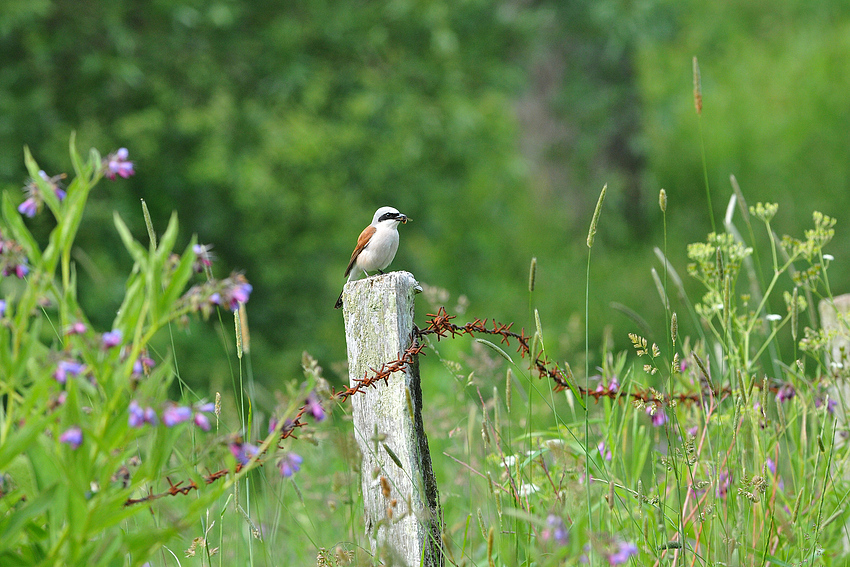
(362, 241)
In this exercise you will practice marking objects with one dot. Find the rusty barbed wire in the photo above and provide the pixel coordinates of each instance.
(441, 326)
(185, 487)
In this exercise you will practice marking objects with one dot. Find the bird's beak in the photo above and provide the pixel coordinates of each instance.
(403, 218)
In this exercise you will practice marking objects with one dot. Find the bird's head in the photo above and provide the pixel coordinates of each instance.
(388, 216)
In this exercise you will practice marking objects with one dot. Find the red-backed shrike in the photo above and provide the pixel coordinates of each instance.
(376, 246)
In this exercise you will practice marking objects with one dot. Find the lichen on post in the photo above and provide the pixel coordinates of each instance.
(400, 498)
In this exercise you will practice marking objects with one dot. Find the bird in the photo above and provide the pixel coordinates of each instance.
(376, 245)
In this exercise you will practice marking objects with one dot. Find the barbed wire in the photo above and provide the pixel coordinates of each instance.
(441, 326)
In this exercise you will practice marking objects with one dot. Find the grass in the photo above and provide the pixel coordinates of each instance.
(720, 446)
(697, 453)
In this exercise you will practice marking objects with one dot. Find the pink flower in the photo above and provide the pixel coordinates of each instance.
(203, 257)
(659, 418)
(785, 393)
(76, 328)
(314, 407)
(118, 164)
(202, 421)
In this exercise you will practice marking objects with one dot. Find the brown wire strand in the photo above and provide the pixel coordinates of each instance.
(441, 326)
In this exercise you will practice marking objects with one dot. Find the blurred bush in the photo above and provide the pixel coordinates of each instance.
(276, 129)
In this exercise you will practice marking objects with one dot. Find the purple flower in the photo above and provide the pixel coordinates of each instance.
(172, 415)
(612, 386)
(2, 307)
(143, 363)
(287, 425)
(622, 554)
(32, 204)
(202, 421)
(555, 530)
(112, 338)
(21, 270)
(290, 464)
(73, 436)
(76, 328)
(659, 418)
(54, 183)
(240, 294)
(604, 451)
(203, 257)
(785, 393)
(29, 207)
(243, 451)
(118, 164)
(314, 407)
(137, 415)
(724, 481)
(215, 298)
(66, 368)
(831, 404)
(208, 407)
(150, 416)
(771, 465)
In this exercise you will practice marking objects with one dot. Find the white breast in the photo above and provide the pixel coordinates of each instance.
(380, 251)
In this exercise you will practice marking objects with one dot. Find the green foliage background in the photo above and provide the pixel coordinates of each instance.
(275, 129)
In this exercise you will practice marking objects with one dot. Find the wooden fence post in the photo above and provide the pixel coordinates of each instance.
(402, 510)
(835, 316)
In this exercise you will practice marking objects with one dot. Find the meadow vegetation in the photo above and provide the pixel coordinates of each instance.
(716, 448)
(170, 399)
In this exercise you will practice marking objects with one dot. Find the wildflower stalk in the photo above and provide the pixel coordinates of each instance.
(698, 105)
(590, 236)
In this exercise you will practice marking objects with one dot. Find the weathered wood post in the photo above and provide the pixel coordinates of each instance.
(402, 510)
(835, 316)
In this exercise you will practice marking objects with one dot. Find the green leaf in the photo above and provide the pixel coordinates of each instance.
(136, 250)
(76, 160)
(18, 441)
(13, 523)
(496, 348)
(166, 243)
(21, 470)
(134, 300)
(75, 204)
(19, 230)
(179, 278)
(47, 193)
